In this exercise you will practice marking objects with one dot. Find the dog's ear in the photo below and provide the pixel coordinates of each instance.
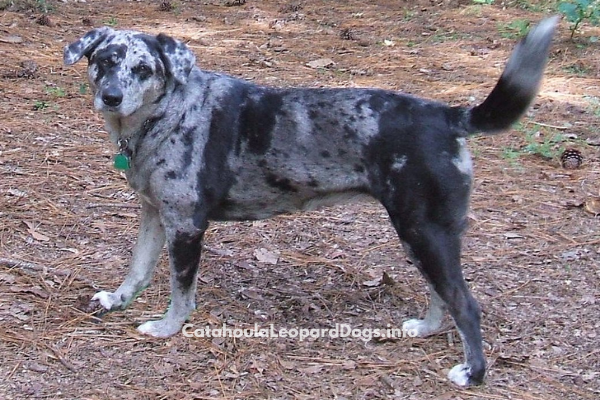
(178, 59)
(86, 45)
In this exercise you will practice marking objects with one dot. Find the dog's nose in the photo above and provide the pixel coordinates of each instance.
(112, 97)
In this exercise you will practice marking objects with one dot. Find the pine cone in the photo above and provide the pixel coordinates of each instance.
(28, 69)
(571, 159)
(165, 5)
(44, 20)
(347, 34)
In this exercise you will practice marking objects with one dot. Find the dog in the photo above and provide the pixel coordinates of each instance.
(201, 146)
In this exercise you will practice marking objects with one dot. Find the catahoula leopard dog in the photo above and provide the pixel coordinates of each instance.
(201, 146)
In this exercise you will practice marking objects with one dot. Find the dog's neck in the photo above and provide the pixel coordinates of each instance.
(129, 128)
(122, 128)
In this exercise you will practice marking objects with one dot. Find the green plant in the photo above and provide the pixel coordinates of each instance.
(408, 15)
(514, 29)
(56, 91)
(112, 21)
(26, 5)
(42, 6)
(511, 155)
(578, 11)
(577, 69)
(549, 147)
(488, 2)
(40, 105)
(594, 105)
(537, 6)
(441, 37)
(546, 143)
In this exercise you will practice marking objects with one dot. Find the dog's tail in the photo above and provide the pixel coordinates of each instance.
(518, 84)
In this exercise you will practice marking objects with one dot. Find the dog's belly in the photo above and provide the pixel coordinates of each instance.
(262, 192)
(241, 210)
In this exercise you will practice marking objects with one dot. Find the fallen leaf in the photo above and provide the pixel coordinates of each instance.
(571, 255)
(321, 63)
(512, 235)
(13, 39)
(287, 364)
(265, 256)
(7, 278)
(314, 369)
(39, 237)
(592, 206)
(36, 290)
(37, 367)
(252, 294)
(17, 193)
(387, 280)
(372, 283)
(34, 233)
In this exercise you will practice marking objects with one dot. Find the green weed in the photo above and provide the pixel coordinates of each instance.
(577, 69)
(578, 11)
(40, 105)
(56, 91)
(515, 29)
(594, 105)
(512, 155)
(545, 142)
(112, 21)
(41, 6)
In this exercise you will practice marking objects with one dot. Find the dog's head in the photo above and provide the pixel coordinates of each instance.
(128, 70)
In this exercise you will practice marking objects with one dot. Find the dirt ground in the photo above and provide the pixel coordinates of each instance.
(68, 220)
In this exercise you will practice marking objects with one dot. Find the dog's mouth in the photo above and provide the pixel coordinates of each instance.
(112, 110)
(108, 109)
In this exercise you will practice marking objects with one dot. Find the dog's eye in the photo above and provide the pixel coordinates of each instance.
(143, 70)
(107, 62)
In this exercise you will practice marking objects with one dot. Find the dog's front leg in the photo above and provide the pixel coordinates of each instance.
(151, 239)
(184, 247)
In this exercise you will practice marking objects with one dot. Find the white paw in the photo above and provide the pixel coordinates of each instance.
(108, 300)
(162, 328)
(460, 374)
(418, 328)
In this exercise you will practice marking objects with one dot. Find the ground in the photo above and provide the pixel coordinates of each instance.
(68, 219)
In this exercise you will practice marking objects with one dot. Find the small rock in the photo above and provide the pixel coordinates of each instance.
(321, 63)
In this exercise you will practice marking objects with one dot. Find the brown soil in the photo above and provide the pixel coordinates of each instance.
(531, 255)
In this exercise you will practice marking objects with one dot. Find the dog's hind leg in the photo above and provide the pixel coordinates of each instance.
(433, 319)
(184, 247)
(436, 251)
(429, 221)
(151, 239)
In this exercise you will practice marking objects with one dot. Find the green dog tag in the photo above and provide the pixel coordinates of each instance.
(121, 162)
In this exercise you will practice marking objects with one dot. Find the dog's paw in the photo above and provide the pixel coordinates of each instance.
(109, 301)
(162, 328)
(461, 375)
(419, 328)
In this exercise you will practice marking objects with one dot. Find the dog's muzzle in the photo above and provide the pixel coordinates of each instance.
(112, 96)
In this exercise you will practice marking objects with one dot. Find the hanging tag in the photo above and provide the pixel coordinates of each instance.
(121, 162)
